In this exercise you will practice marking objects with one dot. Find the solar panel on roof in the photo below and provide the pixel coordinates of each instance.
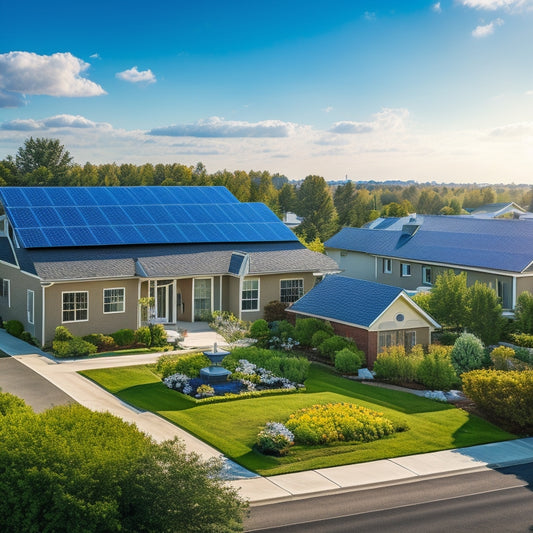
(89, 216)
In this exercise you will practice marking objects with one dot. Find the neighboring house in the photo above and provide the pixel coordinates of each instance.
(502, 209)
(83, 257)
(410, 252)
(372, 314)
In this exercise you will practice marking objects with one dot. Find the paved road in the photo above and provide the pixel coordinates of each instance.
(34, 389)
(485, 501)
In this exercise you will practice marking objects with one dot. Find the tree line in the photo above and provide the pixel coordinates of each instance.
(323, 207)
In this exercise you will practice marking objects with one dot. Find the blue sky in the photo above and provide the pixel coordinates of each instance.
(370, 90)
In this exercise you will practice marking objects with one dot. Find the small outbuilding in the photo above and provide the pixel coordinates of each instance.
(372, 314)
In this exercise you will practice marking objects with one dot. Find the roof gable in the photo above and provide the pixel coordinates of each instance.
(55, 217)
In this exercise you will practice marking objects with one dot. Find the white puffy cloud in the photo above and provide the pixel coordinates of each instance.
(487, 29)
(385, 120)
(133, 75)
(493, 5)
(218, 127)
(55, 122)
(59, 74)
(437, 7)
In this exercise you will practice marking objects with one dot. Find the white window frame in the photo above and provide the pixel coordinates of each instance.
(6, 288)
(425, 271)
(123, 289)
(299, 289)
(387, 265)
(405, 270)
(75, 310)
(245, 282)
(30, 309)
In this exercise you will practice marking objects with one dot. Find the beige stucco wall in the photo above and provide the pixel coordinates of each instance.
(20, 282)
(98, 322)
(413, 319)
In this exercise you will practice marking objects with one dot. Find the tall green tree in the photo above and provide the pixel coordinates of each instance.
(448, 298)
(315, 205)
(73, 470)
(524, 312)
(483, 313)
(287, 198)
(344, 200)
(39, 153)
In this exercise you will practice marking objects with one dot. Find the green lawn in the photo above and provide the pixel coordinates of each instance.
(232, 426)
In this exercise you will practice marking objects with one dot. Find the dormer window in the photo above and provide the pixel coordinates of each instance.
(387, 266)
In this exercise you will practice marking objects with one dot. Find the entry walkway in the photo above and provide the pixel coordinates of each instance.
(257, 489)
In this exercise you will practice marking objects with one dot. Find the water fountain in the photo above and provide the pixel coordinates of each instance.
(214, 373)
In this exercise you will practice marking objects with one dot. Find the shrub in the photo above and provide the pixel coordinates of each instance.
(506, 396)
(282, 336)
(62, 334)
(274, 439)
(259, 330)
(524, 355)
(307, 327)
(10, 404)
(102, 342)
(178, 382)
(395, 365)
(189, 365)
(435, 370)
(447, 338)
(26, 336)
(158, 335)
(275, 311)
(143, 336)
(331, 346)
(319, 337)
(501, 357)
(14, 327)
(524, 312)
(522, 339)
(205, 391)
(75, 347)
(124, 337)
(231, 328)
(321, 424)
(467, 353)
(282, 364)
(348, 361)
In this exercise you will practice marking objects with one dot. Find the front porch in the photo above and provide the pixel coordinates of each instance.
(199, 335)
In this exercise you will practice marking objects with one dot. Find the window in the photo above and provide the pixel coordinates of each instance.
(5, 292)
(409, 340)
(291, 290)
(30, 308)
(405, 269)
(75, 306)
(387, 266)
(426, 275)
(114, 300)
(250, 295)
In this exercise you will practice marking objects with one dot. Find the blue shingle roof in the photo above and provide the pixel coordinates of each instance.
(53, 217)
(350, 300)
(451, 240)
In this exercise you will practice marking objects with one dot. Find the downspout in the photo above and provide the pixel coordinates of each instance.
(220, 292)
(514, 292)
(138, 306)
(43, 315)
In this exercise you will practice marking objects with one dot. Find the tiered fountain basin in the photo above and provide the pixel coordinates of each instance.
(215, 373)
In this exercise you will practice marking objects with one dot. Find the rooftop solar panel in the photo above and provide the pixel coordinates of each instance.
(90, 216)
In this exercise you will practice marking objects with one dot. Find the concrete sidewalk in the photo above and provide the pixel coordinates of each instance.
(262, 489)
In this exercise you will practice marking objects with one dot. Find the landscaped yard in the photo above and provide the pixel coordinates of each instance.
(232, 426)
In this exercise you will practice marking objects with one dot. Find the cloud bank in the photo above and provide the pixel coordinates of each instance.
(387, 119)
(133, 75)
(55, 122)
(59, 74)
(493, 5)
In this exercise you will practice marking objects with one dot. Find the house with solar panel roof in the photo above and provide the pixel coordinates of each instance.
(82, 257)
(410, 252)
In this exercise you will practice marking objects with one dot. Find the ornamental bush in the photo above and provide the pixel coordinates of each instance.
(505, 395)
(189, 365)
(395, 365)
(334, 344)
(501, 357)
(321, 424)
(259, 331)
(158, 335)
(319, 337)
(307, 327)
(14, 327)
(143, 336)
(522, 339)
(274, 439)
(467, 353)
(62, 334)
(124, 337)
(275, 311)
(75, 347)
(348, 361)
(205, 391)
(178, 382)
(102, 342)
(435, 370)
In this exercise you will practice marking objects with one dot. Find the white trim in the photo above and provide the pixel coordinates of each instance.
(387, 269)
(405, 270)
(210, 293)
(32, 292)
(43, 318)
(123, 289)
(62, 310)
(258, 295)
(353, 324)
(513, 302)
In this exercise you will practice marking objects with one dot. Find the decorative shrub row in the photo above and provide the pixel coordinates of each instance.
(522, 339)
(283, 364)
(189, 365)
(506, 396)
(433, 369)
(321, 424)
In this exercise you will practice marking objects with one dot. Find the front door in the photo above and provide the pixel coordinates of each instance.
(163, 301)
(202, 297)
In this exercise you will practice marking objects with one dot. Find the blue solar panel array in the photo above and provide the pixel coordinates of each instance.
(46, 217)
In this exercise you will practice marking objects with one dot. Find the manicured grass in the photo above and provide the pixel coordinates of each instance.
(128, 351)
(232, 426)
